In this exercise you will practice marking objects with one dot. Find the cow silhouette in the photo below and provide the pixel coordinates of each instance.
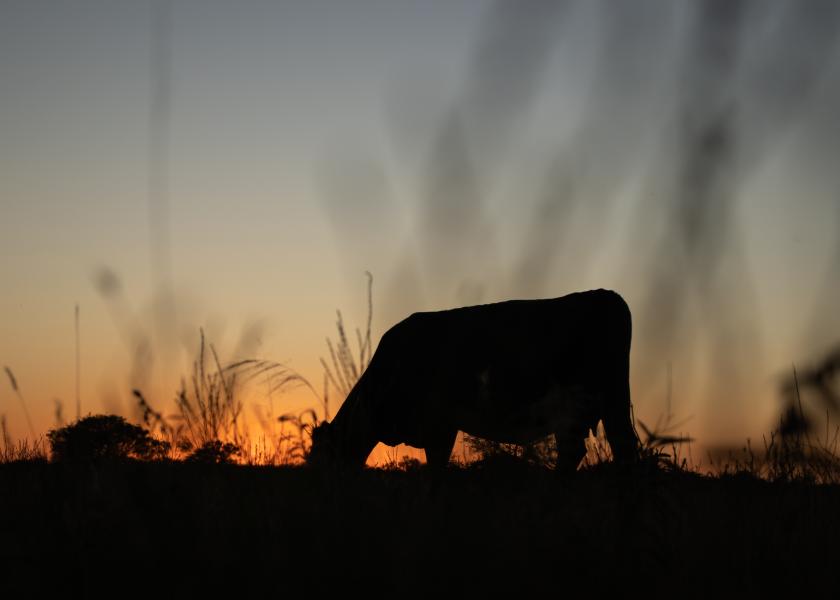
(511, 372)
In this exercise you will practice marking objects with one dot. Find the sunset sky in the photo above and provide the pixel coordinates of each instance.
(238, 166)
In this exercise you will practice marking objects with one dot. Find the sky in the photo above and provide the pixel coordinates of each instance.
(172, 166)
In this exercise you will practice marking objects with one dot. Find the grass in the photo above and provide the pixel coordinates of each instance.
(22, 451)
(505, 523)
(485, 528)
(347, 368)
(209, 409)
(16, 389)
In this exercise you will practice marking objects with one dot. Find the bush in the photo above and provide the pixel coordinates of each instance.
(215, 452)
(104, 437)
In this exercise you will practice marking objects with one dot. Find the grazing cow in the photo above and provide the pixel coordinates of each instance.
(510, 372)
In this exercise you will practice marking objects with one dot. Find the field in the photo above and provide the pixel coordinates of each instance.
(175, 528)
(189, 506)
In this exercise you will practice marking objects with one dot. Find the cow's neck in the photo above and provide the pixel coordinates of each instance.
(353, 428)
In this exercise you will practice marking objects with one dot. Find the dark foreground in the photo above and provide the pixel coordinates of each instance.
(145, 529)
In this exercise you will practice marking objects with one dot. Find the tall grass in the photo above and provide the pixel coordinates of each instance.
(291, 432)
(78, 366)
(792, 452)
(209, 406)
(345, 368)
(16, 390)
(24, 450)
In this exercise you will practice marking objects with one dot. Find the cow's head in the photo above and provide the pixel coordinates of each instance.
(331, 446)
(324, 448)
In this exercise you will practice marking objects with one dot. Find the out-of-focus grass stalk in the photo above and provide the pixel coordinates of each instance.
(16, 390)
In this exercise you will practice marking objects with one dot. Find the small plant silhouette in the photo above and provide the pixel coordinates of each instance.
(104, 437)
(215, 452)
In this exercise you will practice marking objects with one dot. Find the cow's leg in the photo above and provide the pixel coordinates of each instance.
(619, 427)
(439, 448)
(622, 437)
(570, 449)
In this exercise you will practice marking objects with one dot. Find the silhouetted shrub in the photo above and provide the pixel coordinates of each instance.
(215, 452)
(104, 437)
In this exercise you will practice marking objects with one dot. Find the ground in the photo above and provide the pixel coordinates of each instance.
(177, 528)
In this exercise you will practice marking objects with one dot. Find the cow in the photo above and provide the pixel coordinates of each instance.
(512, 372)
